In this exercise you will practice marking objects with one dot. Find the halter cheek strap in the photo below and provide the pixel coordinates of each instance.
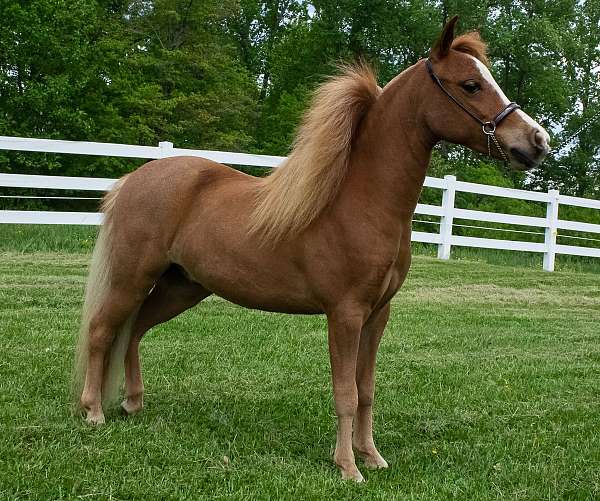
(488, 127)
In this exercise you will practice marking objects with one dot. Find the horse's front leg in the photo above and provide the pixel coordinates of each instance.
(370, 337)
(344, 337)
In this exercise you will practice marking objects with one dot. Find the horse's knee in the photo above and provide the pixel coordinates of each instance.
(365, 393)
(365, 400)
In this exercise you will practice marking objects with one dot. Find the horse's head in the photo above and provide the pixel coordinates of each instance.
(466, 105)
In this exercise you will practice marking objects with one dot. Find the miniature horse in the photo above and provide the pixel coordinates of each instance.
(328, 232)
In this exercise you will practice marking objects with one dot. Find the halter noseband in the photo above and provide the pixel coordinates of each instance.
(488, 127)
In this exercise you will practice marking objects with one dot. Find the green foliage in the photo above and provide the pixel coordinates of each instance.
(122, 72)
(238, 74)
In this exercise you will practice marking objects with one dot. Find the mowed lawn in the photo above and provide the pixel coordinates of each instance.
(488, 388)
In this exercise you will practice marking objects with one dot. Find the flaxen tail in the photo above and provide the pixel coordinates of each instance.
(97, 288)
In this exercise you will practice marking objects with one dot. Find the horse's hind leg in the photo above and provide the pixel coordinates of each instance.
(173, 294)
(370, 337)
(113, 313)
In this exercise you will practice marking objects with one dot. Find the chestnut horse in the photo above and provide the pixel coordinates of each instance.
(327, 233)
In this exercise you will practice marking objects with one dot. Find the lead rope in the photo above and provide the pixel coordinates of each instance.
(585, 126)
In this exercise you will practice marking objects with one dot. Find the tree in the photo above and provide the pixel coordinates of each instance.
(238, 74)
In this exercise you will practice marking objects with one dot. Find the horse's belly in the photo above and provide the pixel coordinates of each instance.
(251, 280)
(257, 293)
(267, 303)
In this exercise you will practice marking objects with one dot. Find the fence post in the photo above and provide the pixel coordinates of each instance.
(551, 230)
(166, 149)
(446, 221)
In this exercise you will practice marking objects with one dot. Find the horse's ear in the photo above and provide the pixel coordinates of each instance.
(443, 44)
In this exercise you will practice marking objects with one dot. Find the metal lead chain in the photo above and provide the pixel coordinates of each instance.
(489, 129)
(490, 138)
(493, 136)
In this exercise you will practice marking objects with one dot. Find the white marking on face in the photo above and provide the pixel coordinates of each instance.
(527, 119)
(487, 76)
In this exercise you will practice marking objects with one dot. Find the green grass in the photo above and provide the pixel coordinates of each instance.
(488, 381)
(27, 238)
(77, 239)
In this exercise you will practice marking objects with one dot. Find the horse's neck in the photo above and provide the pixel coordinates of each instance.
(390, 156)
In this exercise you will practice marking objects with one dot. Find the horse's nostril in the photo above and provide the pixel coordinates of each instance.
(539, 140)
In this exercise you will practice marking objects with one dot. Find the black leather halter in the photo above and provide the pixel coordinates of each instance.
(488, 127)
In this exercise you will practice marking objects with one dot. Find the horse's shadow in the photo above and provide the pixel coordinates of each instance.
(279, 425)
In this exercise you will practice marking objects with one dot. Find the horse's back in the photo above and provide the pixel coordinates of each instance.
(164, 191)
(156, 202)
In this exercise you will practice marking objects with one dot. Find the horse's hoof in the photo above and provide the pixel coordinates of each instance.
(354, 475)
(95, 419)
(130, 408)
(351, 473)
(372, 459)
(375, 463)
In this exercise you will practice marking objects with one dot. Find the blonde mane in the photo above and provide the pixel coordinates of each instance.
(292, 197)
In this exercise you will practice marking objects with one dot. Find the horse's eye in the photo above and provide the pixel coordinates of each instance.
(471, 87)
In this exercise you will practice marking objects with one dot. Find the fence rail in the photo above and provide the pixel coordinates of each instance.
(447, 212)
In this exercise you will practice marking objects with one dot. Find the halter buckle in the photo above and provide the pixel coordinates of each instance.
(489, 128)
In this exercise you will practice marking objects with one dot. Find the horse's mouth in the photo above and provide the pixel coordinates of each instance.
(521, 160)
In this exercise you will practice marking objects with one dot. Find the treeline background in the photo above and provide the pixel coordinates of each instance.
(237, 74)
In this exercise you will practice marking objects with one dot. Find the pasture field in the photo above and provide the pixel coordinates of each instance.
(488, 388)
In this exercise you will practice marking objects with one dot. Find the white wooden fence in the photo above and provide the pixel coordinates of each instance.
(447, 212)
